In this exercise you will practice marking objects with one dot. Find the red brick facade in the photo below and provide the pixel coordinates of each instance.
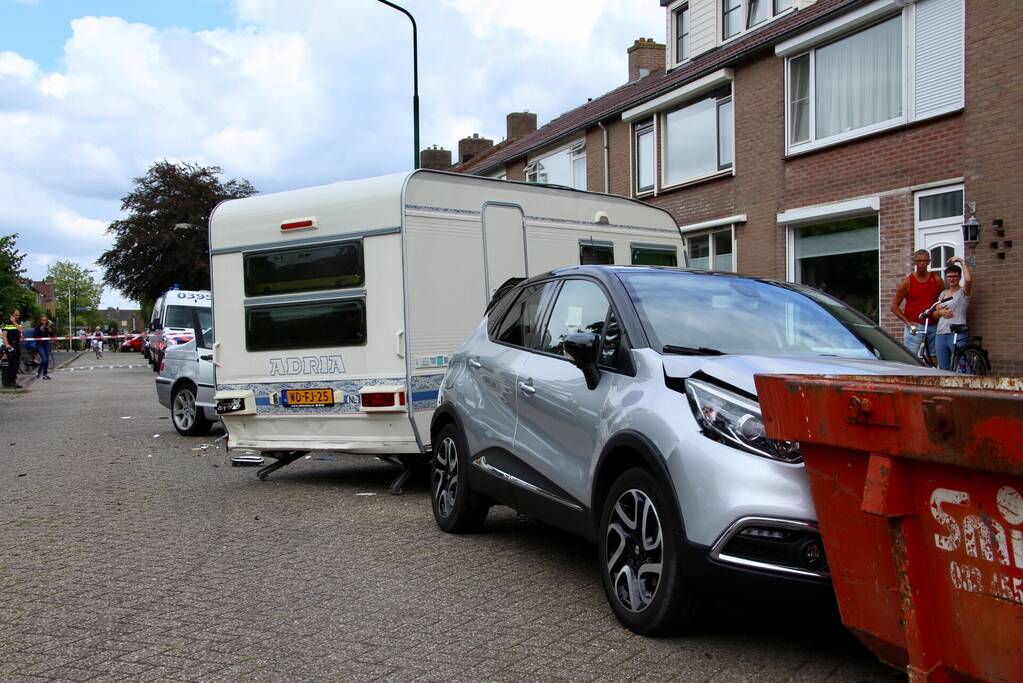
(980, 147)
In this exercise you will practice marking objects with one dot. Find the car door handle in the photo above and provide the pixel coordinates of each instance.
(474, 364)
(208, 356)
(527, 389)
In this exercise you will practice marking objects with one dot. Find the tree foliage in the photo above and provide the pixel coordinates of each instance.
(12, 293)
(76, 286)
(150, 253)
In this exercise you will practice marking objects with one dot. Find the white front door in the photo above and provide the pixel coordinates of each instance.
(939, 221)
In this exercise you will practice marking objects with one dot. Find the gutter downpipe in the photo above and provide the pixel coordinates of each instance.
(607, 172)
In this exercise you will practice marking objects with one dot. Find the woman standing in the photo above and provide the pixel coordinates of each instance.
(952, 311)
(43, 331)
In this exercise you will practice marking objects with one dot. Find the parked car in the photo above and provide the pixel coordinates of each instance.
(618, 403)
(186, 382)
(133, 342)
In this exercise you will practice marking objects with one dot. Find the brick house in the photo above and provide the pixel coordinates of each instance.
(815, 141)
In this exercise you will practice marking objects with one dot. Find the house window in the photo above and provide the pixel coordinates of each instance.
(654, 255)
(682, 33)
(711, 250)
(939, 219)
(841, 258)
(578, 157)
(731, 18)
(758, 12)
(644, 145)
(699, 138)
(741, 15)
(596, 253)
(564, 167)
(850, 85)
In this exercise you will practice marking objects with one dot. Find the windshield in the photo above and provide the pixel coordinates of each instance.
(178, 316)
(718, 313)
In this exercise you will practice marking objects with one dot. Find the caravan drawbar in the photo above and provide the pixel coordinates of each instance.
(337, 307)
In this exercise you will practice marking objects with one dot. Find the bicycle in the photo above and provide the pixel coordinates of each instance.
(97, 347)
(968, 358)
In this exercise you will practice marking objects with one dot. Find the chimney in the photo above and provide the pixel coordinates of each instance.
(520, 124)
(472, 147)
(435, 158)
(645, 57)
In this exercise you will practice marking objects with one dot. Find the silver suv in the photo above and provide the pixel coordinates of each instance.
(618, 403)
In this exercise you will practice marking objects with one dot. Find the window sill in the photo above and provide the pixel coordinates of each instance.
(644, 193)
(697, 180)
(876, 129)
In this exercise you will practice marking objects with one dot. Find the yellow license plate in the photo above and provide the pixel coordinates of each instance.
(307, 397)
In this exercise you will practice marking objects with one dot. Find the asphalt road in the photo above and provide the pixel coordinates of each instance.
(130, 552)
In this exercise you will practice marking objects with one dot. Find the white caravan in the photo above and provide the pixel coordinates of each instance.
(337, 307)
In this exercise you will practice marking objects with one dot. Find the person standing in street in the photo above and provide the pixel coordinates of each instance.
(43, 330)
(919, 290)
(952, 311)
(10, 335)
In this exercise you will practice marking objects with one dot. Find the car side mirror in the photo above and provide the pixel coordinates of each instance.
(581, 348)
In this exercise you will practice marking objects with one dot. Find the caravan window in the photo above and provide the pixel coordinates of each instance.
(305, 325)
(305, 269)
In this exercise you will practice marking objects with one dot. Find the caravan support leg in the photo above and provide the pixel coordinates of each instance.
(284, 458)
(408, 465)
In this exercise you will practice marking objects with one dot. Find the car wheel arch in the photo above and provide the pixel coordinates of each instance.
(622, 452)
(443, 416)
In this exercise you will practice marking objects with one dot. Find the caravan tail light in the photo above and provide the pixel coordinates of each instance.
(298, 224)
(382, 399)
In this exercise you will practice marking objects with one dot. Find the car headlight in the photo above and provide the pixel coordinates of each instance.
(736, 421)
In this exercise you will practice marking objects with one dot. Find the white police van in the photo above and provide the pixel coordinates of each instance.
(172, 321)
(338, 306)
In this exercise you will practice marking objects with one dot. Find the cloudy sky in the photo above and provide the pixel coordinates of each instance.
(285, 93)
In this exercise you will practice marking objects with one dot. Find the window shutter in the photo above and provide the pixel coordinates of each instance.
(939, 56)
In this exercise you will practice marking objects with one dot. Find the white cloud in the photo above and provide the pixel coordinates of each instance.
(286, 95)
(70, 224)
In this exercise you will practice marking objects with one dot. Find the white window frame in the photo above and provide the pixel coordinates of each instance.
(920, 227)
(744, 8)
(645, 125)
(576, 149)
(709, 233)
(661, 124)
(675, 13)
(906, 94)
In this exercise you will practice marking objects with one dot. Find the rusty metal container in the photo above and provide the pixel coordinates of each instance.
(918, 486)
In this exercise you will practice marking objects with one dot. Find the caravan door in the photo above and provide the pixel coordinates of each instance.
(504, 244)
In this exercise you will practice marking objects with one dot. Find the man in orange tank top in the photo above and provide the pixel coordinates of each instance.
(919, 290)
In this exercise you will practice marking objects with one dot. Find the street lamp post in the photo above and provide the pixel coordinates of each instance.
(415, 81)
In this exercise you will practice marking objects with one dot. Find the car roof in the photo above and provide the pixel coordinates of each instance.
(605, 273)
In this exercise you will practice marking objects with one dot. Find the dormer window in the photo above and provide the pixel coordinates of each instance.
(681, 25)
(741, 15)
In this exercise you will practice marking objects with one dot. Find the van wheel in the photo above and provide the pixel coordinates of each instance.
(456, 509)
(188, 418)
(640, 543)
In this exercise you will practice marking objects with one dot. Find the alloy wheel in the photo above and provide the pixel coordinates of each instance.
(634, 550)
(184, 409)
(445, 476)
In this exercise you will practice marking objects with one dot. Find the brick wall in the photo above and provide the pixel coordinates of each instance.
(994, 172)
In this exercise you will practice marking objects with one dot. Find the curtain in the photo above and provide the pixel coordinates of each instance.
(859, 79)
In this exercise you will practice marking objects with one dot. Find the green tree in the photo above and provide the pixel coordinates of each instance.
(76, 286)
(164, 238)
(13, 294)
